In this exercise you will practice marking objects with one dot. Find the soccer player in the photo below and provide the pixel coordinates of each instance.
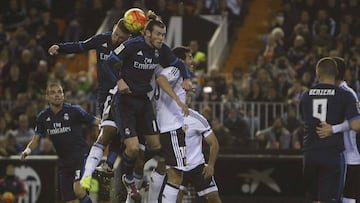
(324, 162)
(139, 57)
(63, 123)
(352, 157)
(198, 173)
(170, 119)
(103, 43)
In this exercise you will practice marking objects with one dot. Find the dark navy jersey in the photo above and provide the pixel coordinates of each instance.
(139, 61)
(102, 43)
(325, 102)
(65, 130)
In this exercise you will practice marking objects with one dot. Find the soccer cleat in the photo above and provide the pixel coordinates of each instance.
(85, 182)
(105, 168)
(131, 189)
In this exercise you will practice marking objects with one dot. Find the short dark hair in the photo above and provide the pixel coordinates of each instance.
(341, 66)
(181, 52)
(52, 83)
(327, 66)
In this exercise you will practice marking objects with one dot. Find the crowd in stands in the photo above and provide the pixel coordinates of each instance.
(300, 33)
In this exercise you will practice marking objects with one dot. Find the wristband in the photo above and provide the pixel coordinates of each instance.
(27, 151)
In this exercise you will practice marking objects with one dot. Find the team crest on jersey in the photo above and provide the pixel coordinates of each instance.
(157, 53)
(66, 116)
(127, 131)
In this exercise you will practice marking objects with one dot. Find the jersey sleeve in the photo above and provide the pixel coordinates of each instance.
(80, 46)
(172, 74)
(40, 129)
(84, 116)
(202, 125)
(169, 59)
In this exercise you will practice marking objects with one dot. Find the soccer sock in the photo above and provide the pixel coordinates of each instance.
(127, 166)
(170, 193)
(86, 199)
(347, 200)
(156, 182)
(110, 159)
(138, 180)
(95, 155)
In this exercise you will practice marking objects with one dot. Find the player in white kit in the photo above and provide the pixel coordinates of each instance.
(197, 172)
(351, 191)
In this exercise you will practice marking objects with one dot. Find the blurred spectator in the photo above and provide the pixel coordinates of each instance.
(14, 84)
(222, 134)
(24, 132)
(12, 146)
(27, 64)
(199, 56)
(276, 136)
(38, 79)
(14, 16)
(12, 184)
(282, 85)
(3, 128)
(295, 92)
(238, 127)
(323, 20)
(20, 105)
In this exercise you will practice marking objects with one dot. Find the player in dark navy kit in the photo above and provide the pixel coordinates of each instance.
(139, 57)
(103, 43)
(324, 163)
(63, 124)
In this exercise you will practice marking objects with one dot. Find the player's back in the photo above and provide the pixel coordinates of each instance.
(329, 103)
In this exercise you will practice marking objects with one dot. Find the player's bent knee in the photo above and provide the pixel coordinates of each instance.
(174, 176)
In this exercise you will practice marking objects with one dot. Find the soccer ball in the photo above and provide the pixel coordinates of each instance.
(134, 20)
(8, 197)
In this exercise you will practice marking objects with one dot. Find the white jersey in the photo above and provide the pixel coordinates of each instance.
(196, 128)
(351, 152)
(169, 115)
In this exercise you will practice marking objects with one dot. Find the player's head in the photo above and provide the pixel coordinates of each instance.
(54, 93)
(341, 66)
(184, 53)
(119, 33)
(326, 68)
(154, 31)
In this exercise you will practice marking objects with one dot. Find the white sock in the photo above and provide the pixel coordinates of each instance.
(170, 193)
(94, 158)
(129, 199)
(347, 200)
(156, 182)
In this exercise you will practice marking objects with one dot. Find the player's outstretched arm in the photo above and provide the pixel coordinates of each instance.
(31, 146)
(165, 85)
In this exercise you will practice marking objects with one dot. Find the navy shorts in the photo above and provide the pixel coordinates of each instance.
(137, 116)
(324, 172)
(69, 172)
